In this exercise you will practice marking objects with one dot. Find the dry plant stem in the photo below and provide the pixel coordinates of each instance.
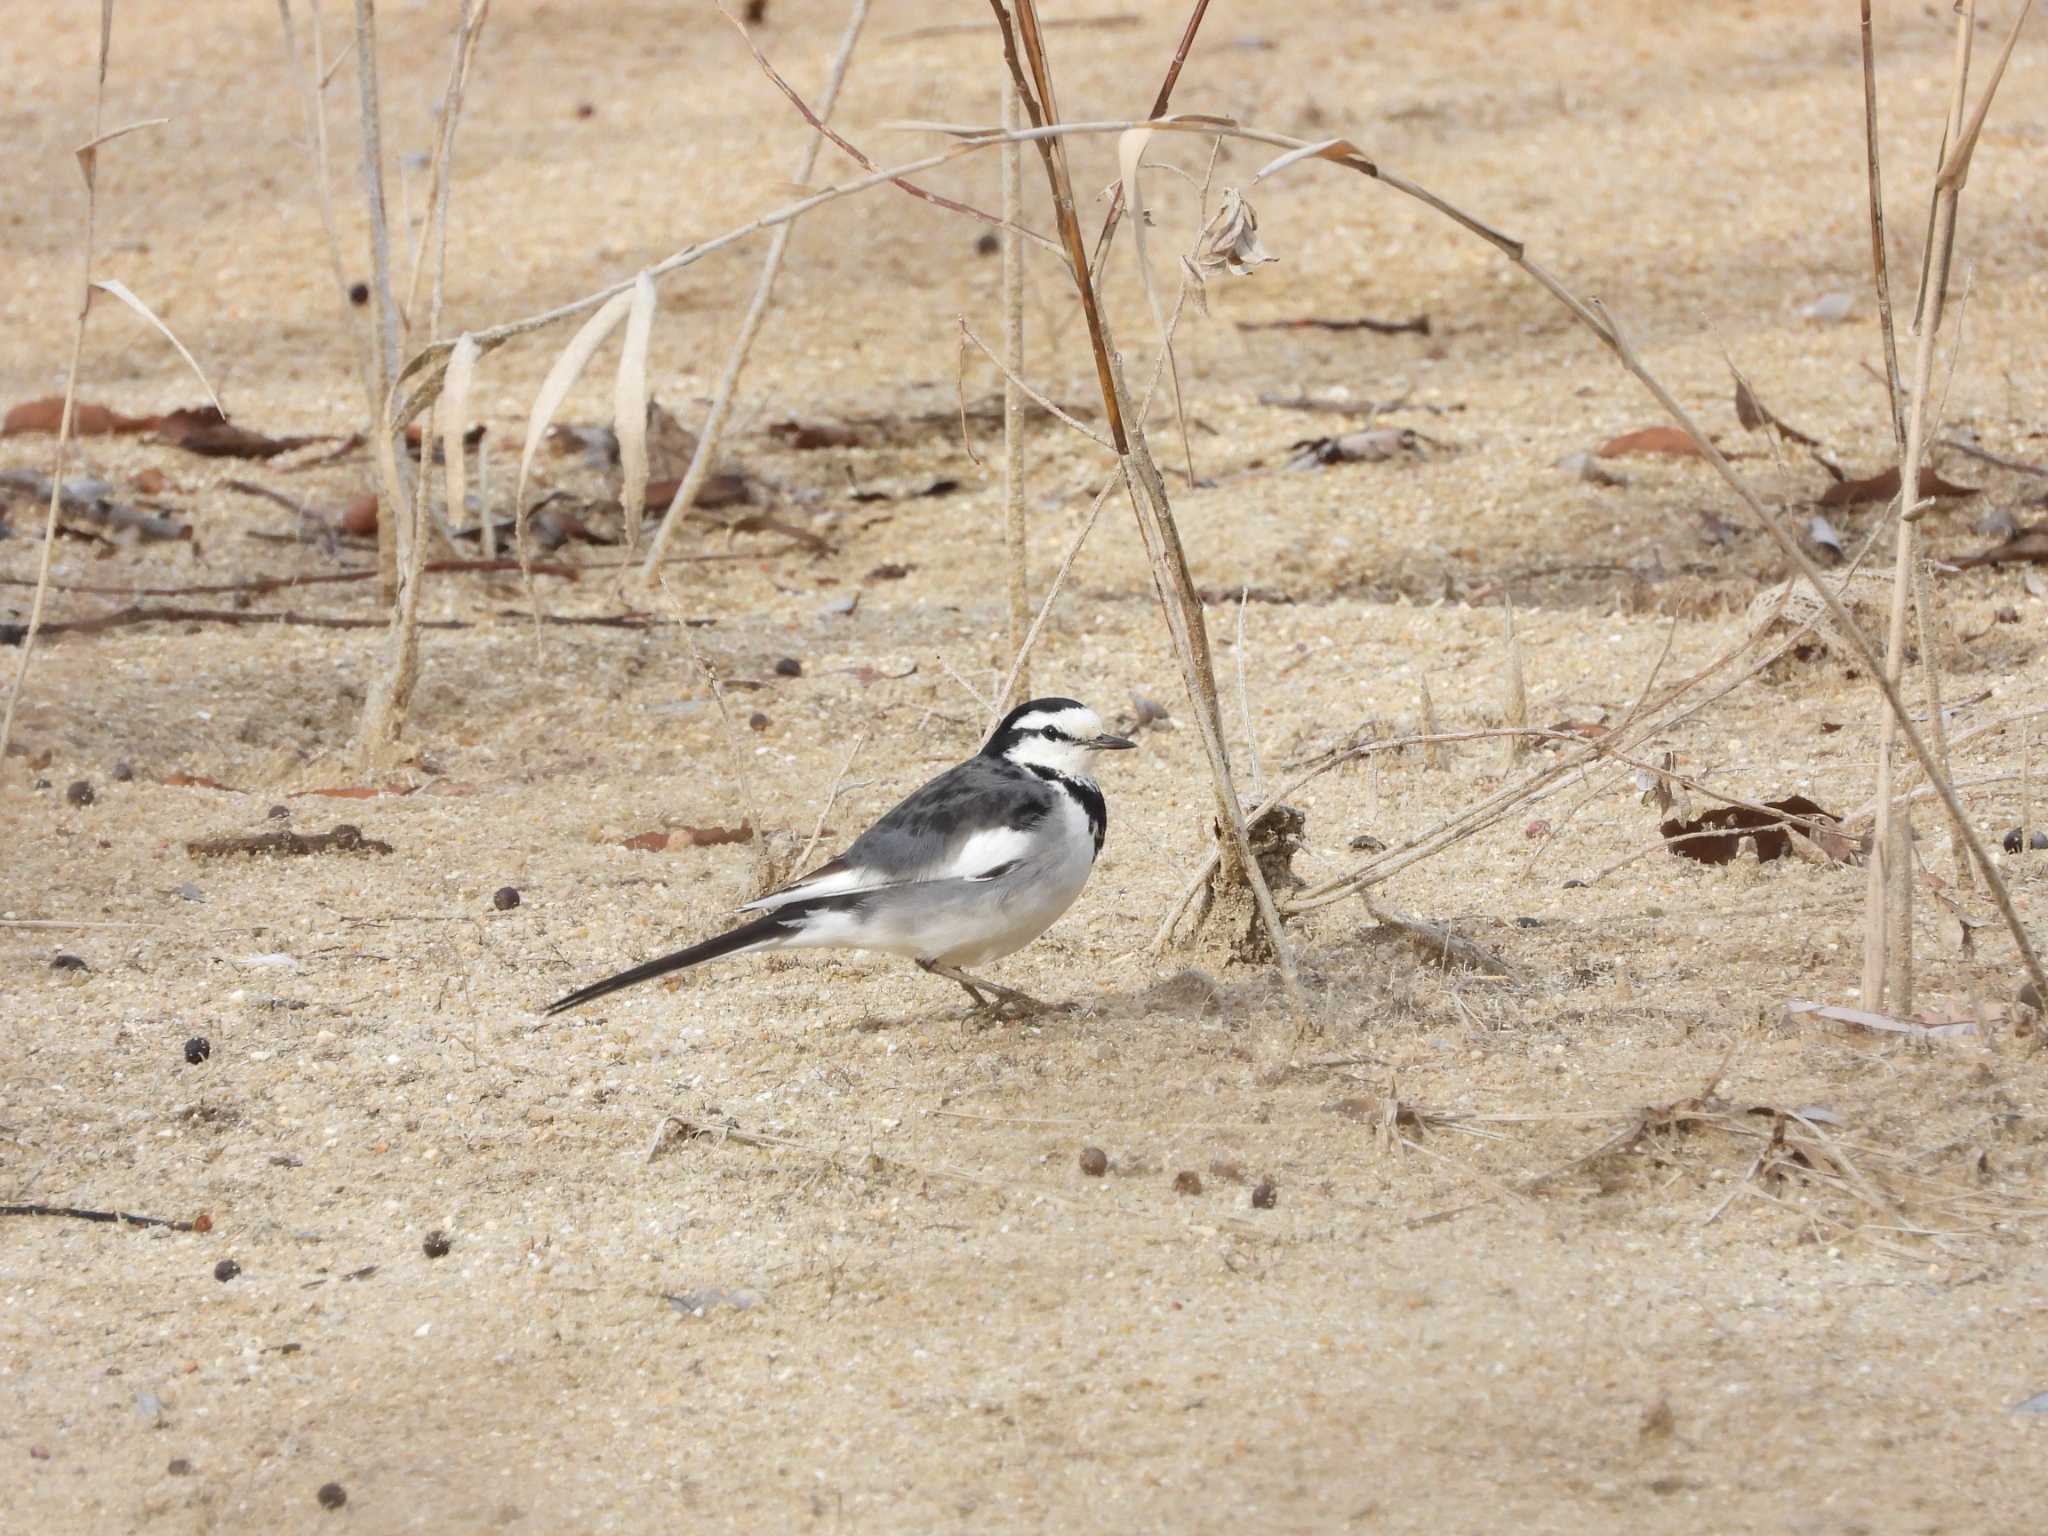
(388, 700)
(1147, 492)
(310, 84)
(1015, 548)
(1433, 754)
(750, 326)
(1879, 261)
(385, 329)
(88, 159)
(1516, 712)
(1012, 379)
(1887, 930)
(1930, 669)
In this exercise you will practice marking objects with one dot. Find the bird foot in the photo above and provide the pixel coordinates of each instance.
(1001, 1002)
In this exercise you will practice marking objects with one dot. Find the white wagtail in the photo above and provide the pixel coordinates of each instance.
(972, 867)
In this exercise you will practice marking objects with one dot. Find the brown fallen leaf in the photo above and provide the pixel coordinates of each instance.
(1884, 486)
(689, 837)
(354, 792)
(1669, 441)
(2027, 545)
(1753, 414)
(87, 419)
(1715, 837)
(718, 490)
(205, 431)
(805, 435)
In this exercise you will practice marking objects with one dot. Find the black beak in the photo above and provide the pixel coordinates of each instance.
(1110, 744)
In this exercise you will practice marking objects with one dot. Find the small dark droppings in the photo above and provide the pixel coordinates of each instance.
(179, 1467)
(436, 1245)
(1094, 1162)
(1265, 1195)
(279, 813)
(226, 1270)
(1528, 922)
(757, 12)
(347, 835)
(124, 773)
(69, 963)
(197, 1049)
(505, 898)
(2018, 840)
(586, 109)
(789, 666)
(987, 243)
(359, 294)
(1187, 1182)
(43, 784)
(757, 721)
(1575, 885)
(80, 792)
(332, 1495)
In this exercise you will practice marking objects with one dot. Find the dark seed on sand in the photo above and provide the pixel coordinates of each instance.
(332, 1495)
(1265, 1195)
(226, 1270)
(436, 1245)
(789, 666)
(279, 813)
(1094, 1162)
(359, 294)
(124, 773)
(757, 721)
(68, 963)
(1187, 1182)
(179, 1467)
(80, 792)
(505, 898)
(197, 1049)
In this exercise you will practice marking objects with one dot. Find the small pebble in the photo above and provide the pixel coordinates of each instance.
(279, 813)
(789, 666)
(80, 792)
(1187, 1182)
(124, 773)
(359, 294)
(1265, 1195)
(226, 1270)
(987, 243)
(149, 1408)
(68, 963)
(197, 1049)
(585, 109)
(757, 721)
(1094, 1162)
(505, 898)
(179, 1467)
(332, 1495)
(436, 1245)
(2017, 839)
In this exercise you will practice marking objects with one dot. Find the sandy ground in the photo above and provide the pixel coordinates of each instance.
(902, 1304)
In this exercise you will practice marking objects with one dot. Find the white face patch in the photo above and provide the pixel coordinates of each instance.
(1064, 753)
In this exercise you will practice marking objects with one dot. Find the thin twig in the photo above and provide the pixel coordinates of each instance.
(88, 164)
(1016, 548)
(1879, 262)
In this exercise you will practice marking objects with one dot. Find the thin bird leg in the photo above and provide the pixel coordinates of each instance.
(1006, 997)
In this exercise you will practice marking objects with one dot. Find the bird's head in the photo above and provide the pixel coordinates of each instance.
(1060, 734)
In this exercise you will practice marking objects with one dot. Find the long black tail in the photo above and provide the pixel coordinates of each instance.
(768, 926)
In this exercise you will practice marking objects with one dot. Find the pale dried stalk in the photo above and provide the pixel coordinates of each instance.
(388, 700)
(750, 326)
(1880, 263)
(1929, 617)
(1516, 713)
(1433, 753)
(385, 330)
(1015, 547)
(88, 165)
(311, 82)
(1887, 930)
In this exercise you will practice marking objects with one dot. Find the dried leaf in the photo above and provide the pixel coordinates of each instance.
(1669, 441)
(690, 837)
(1884, 486)
(1753, 414)
(1715, 837)
(194, 781)
(1882, 1023)
(355, 792)
(804, 436)
(646, 842)
(204, 430)
(87, 420)
(120, 290)
(454, 418)
(630, 409)
(555, 388)
(2028, 544)
(1229, 242)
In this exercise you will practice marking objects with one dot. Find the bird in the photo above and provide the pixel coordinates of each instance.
(968, 869)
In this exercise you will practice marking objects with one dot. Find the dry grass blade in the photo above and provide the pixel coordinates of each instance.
(1016, 548)
(553, 390)
(87, 165)
(1130, 157)
(1879, 261)
(455, 422)
(764, 291)
(385, 331)
(629, 411)
(121, 291)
